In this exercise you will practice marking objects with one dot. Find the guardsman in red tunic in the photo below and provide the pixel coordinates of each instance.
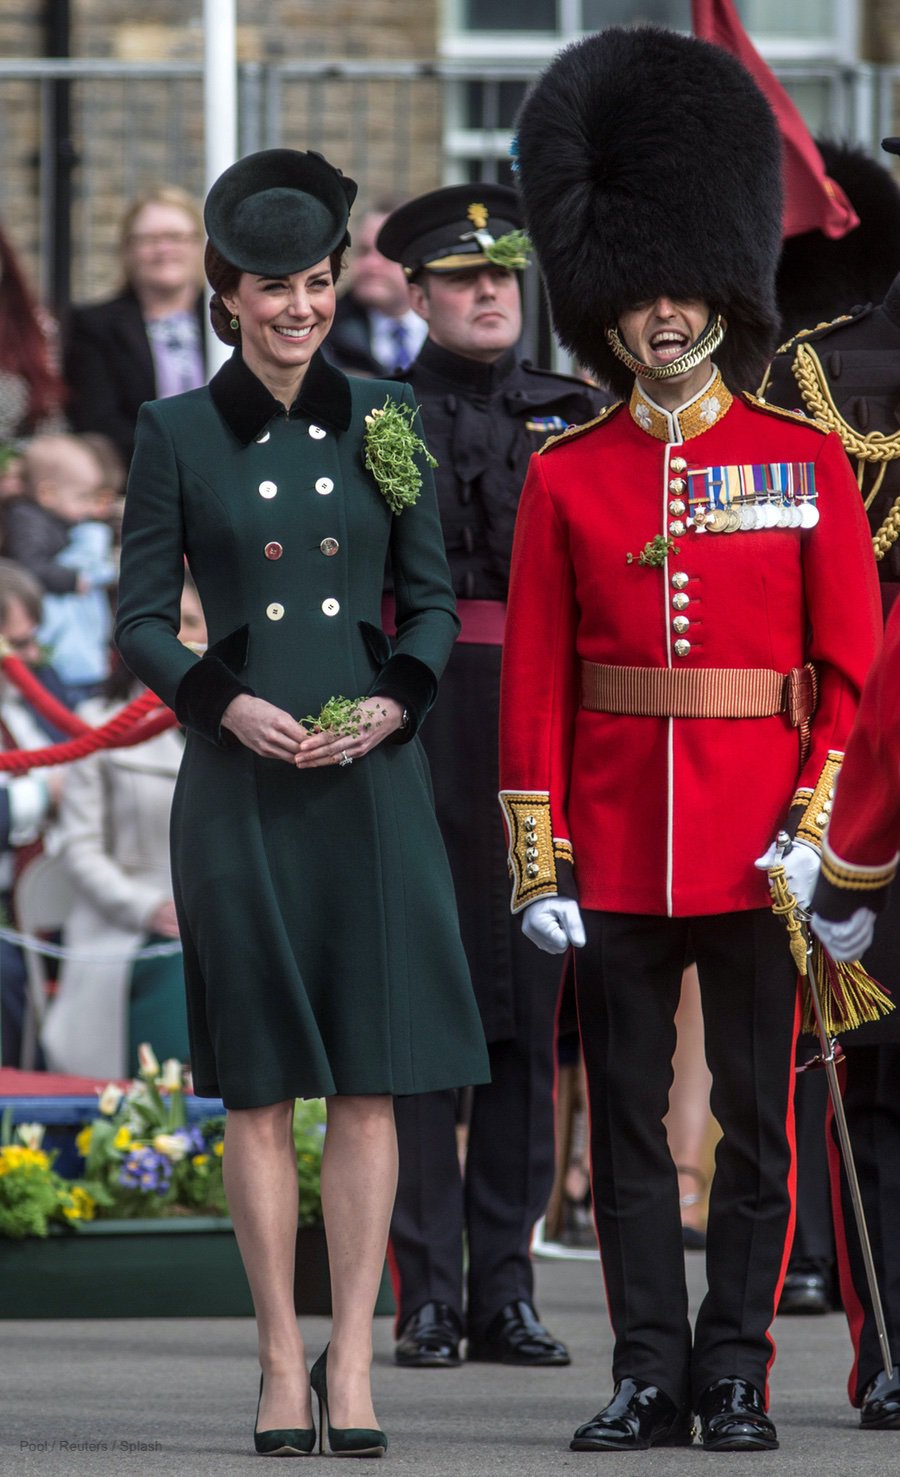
(681, 671)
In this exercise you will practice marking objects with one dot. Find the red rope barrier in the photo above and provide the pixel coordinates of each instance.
(141, 719)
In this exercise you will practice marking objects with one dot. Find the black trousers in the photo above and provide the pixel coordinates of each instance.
(871, 1095)
(491, 1208)
(628, 980)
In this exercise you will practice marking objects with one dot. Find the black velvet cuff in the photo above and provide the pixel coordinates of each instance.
(566, 885)
(838, 903)
(410, 683)
(204, 693)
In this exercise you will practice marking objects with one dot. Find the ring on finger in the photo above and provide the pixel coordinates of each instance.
(345, 759)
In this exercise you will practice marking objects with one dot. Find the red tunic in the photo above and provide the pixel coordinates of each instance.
(665, 815)
(862, 844)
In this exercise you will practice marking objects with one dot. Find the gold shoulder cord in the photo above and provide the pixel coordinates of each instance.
(876, 448)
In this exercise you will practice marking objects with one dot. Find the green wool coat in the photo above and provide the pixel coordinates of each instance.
(321, 943)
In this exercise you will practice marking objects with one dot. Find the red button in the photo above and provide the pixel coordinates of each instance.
(274, 551)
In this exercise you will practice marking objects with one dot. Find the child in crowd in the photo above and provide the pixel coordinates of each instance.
(56, 530)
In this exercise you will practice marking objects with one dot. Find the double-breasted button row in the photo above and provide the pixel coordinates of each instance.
(274, 550)
(275, 610)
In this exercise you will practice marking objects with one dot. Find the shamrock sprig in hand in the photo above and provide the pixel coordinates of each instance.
(344, 718)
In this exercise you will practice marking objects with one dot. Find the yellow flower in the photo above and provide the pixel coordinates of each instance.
(199, 1159)
(16, 1156)
(83, 1140)
(81, 1205)
(122, 1139)
(219, 1148)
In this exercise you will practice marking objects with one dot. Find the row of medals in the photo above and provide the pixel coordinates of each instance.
(748, 516)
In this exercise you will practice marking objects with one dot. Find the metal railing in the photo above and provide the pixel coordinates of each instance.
(398, 127)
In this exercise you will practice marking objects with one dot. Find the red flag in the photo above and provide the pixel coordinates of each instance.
(812, 201)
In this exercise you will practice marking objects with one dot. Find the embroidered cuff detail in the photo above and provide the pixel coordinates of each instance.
(811, 810)
(856, 886)
(412, 684)
(533, 849)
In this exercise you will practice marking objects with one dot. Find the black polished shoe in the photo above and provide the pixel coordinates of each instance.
(733, 1418)
(880, 1409)
(429, 1339)
(516, 1336)
(804, 1292)
(638, 1416)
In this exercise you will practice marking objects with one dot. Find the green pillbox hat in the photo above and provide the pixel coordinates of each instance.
(278, 211)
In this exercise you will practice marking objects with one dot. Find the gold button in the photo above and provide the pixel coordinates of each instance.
(264, 437)
(275, 611)
(676, 506)
(316, 432)
(267, 489)
(678, 464)
(329, 546)
(676, 484)
(676, 528)
(531, 870)
(331, 607)
(679, 580)
(681, 601)
(324, 486)
(682, 647)
(273, 550)
(681, 624)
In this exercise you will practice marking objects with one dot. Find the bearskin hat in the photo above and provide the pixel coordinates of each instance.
(819, 277)
(649, 163)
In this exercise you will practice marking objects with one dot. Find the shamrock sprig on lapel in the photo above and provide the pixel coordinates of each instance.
(655, 552)
(391, 446)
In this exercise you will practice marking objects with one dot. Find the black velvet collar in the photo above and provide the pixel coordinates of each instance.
(247, 406)
(470, 374)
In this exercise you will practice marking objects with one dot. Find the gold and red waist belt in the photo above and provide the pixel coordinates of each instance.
(699, 692)
(483, 621)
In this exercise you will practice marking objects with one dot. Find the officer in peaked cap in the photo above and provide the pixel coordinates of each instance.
(674, 577)
(485, 411)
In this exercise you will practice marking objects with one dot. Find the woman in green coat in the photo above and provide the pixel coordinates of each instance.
(321, 945)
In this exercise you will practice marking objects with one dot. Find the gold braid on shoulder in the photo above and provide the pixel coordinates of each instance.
(876, 448)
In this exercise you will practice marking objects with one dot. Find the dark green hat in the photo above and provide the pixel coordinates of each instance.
(279, 211)
(454, 228)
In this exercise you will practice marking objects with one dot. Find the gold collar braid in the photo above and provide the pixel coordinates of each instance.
(877, 448)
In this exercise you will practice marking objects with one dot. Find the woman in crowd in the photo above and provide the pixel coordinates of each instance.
(31, 391)
(113, 837)
(146, 342)
(322, 949)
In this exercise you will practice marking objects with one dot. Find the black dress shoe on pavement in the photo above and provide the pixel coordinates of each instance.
(638, 1416)
(733, 1418)
(881, 1402)
(804, 1292)
(429, 1339)
(517, 1336)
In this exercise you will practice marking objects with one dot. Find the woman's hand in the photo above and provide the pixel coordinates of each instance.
(260, 726)
(164, 921)
(384, 715)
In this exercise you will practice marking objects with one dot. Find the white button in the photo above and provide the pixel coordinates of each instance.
(324, 486)
(267, 489)
(331, 607)
(316, 432)
(264, 437)
(275, 611)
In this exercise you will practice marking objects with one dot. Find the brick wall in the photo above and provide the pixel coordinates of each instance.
(131, 135)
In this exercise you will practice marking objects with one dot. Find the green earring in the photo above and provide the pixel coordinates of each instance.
(234, 325)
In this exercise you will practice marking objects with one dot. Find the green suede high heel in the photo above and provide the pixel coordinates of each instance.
(299, 1441)
(346, 1441)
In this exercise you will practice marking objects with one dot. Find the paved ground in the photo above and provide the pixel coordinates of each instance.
(167, 1397)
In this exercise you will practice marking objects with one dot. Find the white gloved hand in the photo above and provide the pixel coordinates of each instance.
(847, 939)
(801, 868)
(553, 923)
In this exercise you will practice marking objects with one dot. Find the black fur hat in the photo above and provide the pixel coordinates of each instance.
(649, 163)
(819, 277)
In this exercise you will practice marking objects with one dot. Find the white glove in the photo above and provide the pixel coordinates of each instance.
(801, 868)
(849, 938)
(553, 923)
